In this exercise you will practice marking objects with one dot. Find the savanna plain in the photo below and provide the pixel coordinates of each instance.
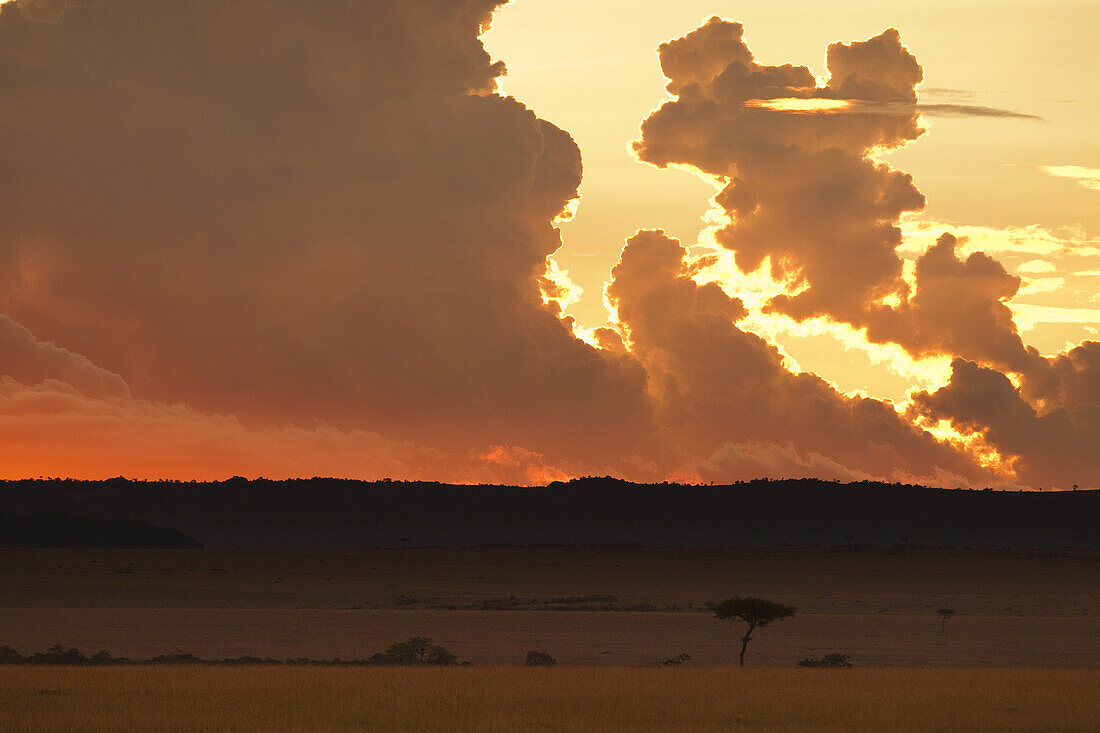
(1022, 650)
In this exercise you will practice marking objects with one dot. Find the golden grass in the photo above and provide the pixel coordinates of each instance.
(559, 698)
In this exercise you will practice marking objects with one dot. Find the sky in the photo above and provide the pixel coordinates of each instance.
(592, 69)
(688, 241)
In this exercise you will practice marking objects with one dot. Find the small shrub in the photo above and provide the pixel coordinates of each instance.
(829, 661)
(676, 661)
(539, 659)
(176, 657)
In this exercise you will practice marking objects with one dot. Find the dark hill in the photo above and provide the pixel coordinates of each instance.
(65, 530)
(330, 513)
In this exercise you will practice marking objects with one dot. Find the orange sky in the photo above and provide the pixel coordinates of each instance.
(272, 239)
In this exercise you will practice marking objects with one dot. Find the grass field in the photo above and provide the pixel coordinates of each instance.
(1022, 653)
(559, 698)
(1015, 608)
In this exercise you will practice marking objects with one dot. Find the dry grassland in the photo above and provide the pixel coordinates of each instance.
(560, 698)
(1015, 608)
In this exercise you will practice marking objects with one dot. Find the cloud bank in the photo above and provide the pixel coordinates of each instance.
(804, 195)
(292, 238)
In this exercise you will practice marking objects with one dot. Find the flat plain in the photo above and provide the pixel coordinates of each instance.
(583, 605)
(1022, 651)
(559, 698)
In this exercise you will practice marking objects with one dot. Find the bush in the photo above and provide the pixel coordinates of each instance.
(417, 650)
(829, 661)
(676, 661)
(539, 659)
(57, 654)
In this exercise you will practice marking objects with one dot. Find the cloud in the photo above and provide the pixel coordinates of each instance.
(817, 105)
(1087, 177)
(799, 189)
(958, 307)
(284, 238)
(1036, 266)
(1060, 446)
(970, 110)
(52, 429)
(804, 195)
(920, 233)
(946, 93)
(714, 384)
(757, 458)
(295, 213)
(30, 361)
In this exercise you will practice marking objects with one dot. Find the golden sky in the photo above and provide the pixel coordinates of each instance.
(282, 238)
(1013, 183)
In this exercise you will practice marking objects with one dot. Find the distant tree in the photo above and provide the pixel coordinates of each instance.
(848, 539)
(539, 659)
(755, 612)
(417, 650)
(946, 613)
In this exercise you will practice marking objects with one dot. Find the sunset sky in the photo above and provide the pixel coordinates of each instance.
(292, 239)
(590, 67)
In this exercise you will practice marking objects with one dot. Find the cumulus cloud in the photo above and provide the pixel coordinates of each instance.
(805, 196)
(803, 192)
(958, 307)
(1059, 447)
(714, 384)
(285, 238)
(298, 212)
(800, 189)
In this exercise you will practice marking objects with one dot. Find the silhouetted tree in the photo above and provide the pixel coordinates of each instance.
(417, 650)
(755, 612)
(539, 659)
(946, 613)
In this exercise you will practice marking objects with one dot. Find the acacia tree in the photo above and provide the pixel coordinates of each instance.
(755, 612)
